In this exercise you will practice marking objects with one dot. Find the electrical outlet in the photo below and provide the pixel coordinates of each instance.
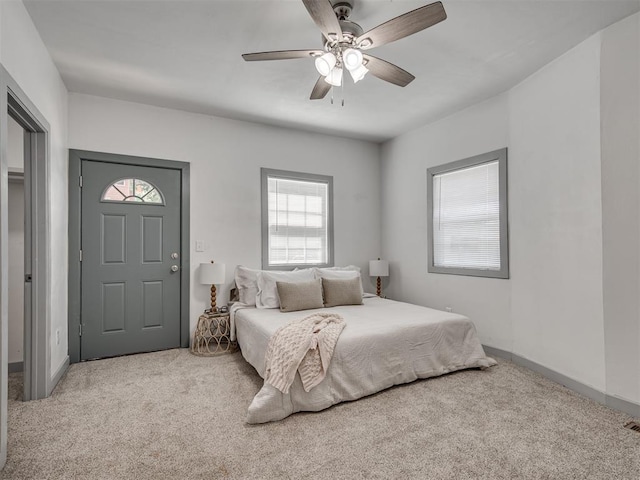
(448, 309)
(57, 337)
(199, 245)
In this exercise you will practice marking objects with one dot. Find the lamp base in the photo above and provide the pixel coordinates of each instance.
(379, 287)
(213, 298)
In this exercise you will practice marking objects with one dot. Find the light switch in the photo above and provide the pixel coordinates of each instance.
(199, 245)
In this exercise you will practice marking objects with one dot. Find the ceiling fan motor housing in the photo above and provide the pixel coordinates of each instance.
(342, 8)
(350, 31)
(349, 27)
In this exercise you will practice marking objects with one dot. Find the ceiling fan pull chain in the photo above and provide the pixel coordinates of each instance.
(342, 86)
(332, 95)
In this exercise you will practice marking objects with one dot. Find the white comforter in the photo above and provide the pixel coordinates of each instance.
(385, 343)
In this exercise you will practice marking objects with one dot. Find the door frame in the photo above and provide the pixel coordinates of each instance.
(37, 330)
(38, 380)
(75, 236)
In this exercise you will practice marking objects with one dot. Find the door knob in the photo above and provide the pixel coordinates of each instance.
(174, 268)
(174, 255)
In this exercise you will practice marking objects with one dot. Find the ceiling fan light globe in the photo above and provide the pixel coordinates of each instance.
(358, 73)
(352, 58)
(335, 77)
(325, 63)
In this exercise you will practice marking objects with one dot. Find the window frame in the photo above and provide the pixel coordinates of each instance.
(501, 156)
(265, 174)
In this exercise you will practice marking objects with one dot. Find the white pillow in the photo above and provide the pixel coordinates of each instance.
(247, 283)
(347, 268)
(308, 269)
(335, 274)
(267, 296)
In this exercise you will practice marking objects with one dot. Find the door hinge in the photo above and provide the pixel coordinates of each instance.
(80, 255)
(80, 330)
(80, 181)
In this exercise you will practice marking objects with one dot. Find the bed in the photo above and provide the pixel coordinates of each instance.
(384, 343)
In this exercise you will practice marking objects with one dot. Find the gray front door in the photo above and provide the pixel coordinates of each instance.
(130, 299)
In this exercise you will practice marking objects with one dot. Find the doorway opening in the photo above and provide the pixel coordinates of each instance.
(38, 380)
(16, 225)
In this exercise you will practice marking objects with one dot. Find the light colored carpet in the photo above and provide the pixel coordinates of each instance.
(172, 415)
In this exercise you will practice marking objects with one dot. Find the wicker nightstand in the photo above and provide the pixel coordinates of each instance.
(212, 335)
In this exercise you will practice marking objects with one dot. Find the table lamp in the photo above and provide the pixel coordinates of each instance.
(212, 274)
(378, 268)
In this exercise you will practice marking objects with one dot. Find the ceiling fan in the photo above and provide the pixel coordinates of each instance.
(345, 41)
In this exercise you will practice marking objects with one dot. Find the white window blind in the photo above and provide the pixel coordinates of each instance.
(298, 232)
(466, 218)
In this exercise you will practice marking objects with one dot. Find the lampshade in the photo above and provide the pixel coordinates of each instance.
(352, 58)
(212, 273)
(325, 63)
(378, 268)
(358, 73)
(334, 78)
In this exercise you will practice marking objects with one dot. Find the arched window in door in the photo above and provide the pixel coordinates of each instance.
(132, 190)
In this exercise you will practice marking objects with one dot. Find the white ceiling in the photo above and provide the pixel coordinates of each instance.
(185, 54)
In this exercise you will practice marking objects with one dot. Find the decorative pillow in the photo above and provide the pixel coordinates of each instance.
(267, 296)
(342, 291)
(300, 296)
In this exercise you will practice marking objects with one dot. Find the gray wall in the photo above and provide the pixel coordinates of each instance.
(620, 111)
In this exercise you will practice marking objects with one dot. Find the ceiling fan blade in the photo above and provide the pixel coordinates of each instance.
(281, 55)
(388, 71)
(322, 13)
(403, 26)
(320, 89)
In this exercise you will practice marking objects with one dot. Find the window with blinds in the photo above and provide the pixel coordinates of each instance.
(467, 216)
(297, 219)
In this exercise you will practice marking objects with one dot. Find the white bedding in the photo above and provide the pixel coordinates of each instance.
(384, 343)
